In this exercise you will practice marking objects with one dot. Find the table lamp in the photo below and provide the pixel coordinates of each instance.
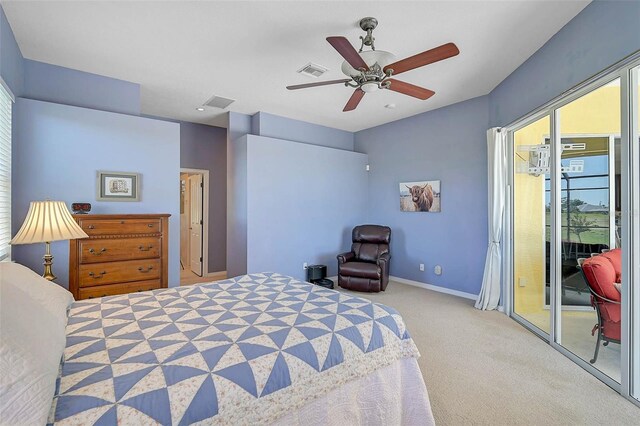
(48, 221)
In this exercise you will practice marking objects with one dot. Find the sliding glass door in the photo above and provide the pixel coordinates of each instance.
(588, 185)
(574, 198)
(531, 207)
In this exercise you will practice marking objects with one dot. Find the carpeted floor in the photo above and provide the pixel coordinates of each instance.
(483, 368)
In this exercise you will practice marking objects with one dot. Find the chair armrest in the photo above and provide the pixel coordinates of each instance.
(602, 299)
(383, 259)
(346, 257)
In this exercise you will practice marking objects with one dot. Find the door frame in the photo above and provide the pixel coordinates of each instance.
(205, 215)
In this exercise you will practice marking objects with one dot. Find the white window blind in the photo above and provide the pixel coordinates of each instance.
(6, 102)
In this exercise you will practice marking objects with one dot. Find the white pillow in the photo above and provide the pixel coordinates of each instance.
(33, 317)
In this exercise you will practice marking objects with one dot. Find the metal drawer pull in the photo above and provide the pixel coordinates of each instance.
(150, 225)
(141, 269)
(143, 248)
(91, 227)
(102, 250)
(91, 274)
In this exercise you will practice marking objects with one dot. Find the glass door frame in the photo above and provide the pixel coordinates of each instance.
(630, 222)
(631, 108)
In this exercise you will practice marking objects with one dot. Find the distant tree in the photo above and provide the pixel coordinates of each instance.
(580, 224)
(573, 205)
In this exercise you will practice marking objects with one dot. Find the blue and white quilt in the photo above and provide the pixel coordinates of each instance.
(245, 350)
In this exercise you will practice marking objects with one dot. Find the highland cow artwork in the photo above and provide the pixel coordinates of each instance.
(421, 196)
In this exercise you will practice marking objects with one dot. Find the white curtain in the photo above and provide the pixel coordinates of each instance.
(490, 293)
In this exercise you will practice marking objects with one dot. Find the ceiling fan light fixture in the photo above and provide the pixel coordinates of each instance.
(371, 57)
(369, 87)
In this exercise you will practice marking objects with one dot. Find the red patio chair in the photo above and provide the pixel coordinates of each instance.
(600, 273)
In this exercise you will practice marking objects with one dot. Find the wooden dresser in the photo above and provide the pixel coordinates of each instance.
(123, 254)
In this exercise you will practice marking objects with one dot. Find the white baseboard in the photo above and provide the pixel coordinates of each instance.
(425, 286)
(434, 288)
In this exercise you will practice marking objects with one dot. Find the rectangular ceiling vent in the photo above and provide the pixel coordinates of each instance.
(313, 70)
(219, 102)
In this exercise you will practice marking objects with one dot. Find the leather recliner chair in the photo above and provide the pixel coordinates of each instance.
(366, 266)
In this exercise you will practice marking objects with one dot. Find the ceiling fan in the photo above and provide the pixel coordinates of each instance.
(372, 70)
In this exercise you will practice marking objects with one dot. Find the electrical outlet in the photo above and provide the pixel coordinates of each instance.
(438, 270)
(422, 267)
(304, 265)
(522, 282)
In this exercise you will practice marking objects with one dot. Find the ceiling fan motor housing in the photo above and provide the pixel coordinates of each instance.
(371, 57)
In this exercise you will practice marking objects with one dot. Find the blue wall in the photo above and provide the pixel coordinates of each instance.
(205, 147)
(57, 152)
(449, 145)
(602, 34)
(262, 124)
(275, 126)
(237, 206)
(297, 213)
(66, 86)
(11, 61)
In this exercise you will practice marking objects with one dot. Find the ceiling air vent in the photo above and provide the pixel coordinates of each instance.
(219, 102)
(313, 70)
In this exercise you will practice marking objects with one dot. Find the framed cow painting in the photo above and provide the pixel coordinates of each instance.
(423, 196)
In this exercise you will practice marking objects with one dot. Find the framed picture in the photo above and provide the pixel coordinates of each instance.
(423, 196)
(118, 186)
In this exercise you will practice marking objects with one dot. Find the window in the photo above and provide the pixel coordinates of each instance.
(6, 102)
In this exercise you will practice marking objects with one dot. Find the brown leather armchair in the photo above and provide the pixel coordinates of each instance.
(366, 266)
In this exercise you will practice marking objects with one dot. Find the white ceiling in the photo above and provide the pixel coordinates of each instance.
(182, 53)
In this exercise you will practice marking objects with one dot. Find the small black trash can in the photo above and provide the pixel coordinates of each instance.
(316, 274)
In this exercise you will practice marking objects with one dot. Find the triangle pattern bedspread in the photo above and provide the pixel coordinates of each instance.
(233, 351)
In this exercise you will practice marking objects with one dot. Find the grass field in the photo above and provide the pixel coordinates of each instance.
(593, 236)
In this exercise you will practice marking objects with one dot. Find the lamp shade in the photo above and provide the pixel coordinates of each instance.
(48, 221)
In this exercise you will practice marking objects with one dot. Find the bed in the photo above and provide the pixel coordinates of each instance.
(255, 349)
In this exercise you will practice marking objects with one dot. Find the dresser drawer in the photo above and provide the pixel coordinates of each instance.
(109, 250)
(120, 226)
(95, 274)
(111, 289)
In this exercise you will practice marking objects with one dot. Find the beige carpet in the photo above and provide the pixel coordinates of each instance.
(483, 368)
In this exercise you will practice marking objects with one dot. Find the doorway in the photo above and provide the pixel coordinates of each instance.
(194, 225)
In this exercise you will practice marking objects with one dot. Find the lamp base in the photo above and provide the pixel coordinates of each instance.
(48, 263)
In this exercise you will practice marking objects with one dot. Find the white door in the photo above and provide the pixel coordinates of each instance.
(195, 225)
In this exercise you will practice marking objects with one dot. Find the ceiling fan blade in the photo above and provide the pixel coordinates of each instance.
(320, 83)
(354, 100)
(425, 58)
(348, 52)
(410, 89)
